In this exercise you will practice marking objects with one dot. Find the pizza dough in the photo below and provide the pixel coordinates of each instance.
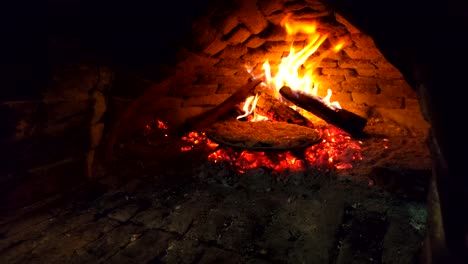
(263, 135)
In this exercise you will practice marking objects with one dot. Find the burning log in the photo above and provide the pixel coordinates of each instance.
(344, 119)
(274, 109)
(209, 117)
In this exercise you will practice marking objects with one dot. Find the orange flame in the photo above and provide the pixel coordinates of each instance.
(249, 107)
(289, 70)
(304, 27)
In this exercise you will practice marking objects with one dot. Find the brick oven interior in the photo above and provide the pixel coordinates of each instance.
(95, 171)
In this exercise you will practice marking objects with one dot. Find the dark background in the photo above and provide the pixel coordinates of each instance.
(137, 35)
(130, 36)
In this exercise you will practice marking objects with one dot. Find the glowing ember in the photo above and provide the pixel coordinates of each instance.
(161, 125)
(337, 151)
(149, 128)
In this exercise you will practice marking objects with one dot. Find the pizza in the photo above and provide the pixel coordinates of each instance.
(262, 135)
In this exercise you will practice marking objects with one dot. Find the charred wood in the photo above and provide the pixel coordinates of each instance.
(274, 109)
(209, 117)
(342, 118)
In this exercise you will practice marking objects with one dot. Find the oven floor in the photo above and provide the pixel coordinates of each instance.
(251, 219)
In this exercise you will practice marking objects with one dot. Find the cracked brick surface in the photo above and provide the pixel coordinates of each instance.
(201, 222)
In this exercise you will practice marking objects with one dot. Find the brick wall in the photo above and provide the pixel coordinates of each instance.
(56, 132)
(49, 141)
(234, 34)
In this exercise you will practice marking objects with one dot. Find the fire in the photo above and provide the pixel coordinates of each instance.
(289, 69)
(293, 71)
(304, 27)
(249, 107)
(337, 151)
(161, 125)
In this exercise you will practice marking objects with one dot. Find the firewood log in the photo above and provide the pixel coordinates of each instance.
(276, 110)
(209, 117)
(344, 119)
